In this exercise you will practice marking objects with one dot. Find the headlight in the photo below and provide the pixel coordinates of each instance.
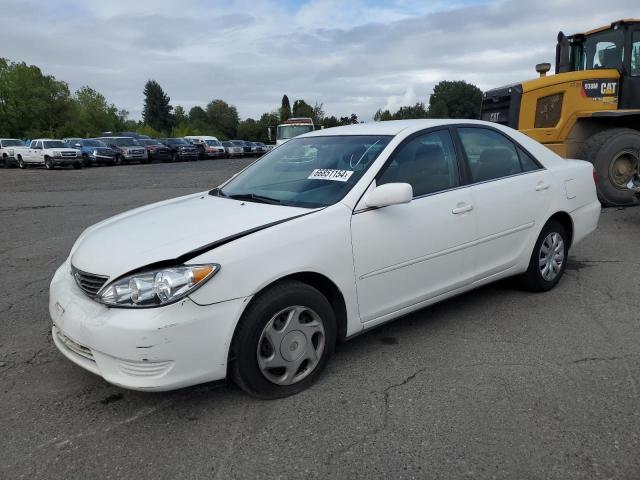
(156, 287)
(11, 152)
(56, 154)
(95, 153)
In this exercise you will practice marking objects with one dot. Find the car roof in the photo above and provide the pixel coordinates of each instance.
(391, 127)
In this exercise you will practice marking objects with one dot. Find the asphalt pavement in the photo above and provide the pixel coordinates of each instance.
(497, 383)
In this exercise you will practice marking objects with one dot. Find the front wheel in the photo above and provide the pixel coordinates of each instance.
(48, 164)
(283, 341)
(549, 258)
(615, 155)
(21, 163)
(85, 161)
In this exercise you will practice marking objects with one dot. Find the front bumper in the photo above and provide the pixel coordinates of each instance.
(152, 349)
(103, 158)
(66, 160)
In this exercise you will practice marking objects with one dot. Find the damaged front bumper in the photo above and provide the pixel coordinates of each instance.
(152, 349)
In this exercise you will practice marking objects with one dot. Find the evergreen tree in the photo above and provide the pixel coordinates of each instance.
(285, 109)
(157, 110)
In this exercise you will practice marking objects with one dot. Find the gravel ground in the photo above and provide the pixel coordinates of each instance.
(497, 383)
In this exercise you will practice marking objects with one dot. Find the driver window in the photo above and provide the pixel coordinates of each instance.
(635, 55)
(38, 146)
(426, 162)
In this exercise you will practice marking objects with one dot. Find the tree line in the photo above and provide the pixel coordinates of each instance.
(33, 104)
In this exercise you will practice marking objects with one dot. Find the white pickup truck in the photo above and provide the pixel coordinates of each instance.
(8, 151)
(48, 152)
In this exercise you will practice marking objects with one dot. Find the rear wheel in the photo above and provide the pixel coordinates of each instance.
(615, 155)
(283, 341)
(549, 258)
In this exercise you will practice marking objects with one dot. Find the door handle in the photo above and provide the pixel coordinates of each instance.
(542, 186)
(462, 208)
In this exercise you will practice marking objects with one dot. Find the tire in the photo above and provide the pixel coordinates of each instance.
(535, 279)
(4, 162)
(119, 160)
(85, 161)
(174, 157)
(614, 154)
(21, 163)
(251, 346)
(48, 164)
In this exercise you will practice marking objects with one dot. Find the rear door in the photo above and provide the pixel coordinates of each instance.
(511, 196)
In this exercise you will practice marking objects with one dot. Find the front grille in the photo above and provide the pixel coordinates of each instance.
(69, 154)
(73, 346)
(144, 369)
(88, 282)
(136, 152)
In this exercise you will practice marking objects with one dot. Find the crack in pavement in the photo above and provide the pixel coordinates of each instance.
(385, 418)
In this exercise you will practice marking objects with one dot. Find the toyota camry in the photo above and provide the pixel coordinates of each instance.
(328, 235)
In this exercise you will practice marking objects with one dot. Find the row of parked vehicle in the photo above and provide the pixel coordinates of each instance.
(121, 148)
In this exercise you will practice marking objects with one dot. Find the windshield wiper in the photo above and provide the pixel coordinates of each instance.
(252, 197)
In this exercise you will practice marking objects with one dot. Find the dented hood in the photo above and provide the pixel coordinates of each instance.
(168, 230)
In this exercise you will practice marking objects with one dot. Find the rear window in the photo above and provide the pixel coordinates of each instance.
(491, 155)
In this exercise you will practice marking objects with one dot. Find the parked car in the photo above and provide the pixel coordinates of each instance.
(233, 150)
(208, 147)
(156, 150)
(181, 149)
(7, 151)
(94, 152)
(48, 152)
(246, 148)
(127, 149)
(261, 148)
(334, 232)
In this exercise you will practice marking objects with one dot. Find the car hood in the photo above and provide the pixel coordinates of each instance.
(167, 230)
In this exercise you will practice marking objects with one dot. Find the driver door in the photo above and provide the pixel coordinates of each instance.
(407, 254)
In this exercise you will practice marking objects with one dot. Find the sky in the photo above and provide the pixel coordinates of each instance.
(351, 56)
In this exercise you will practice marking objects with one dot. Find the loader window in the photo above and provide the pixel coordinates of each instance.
(600, 50)
(635, 54)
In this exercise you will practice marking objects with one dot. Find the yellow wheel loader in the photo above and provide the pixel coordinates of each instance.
(590, 108)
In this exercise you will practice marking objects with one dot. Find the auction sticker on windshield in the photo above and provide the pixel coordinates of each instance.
(328, 174)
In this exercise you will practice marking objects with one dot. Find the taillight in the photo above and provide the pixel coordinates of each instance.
(595, 177)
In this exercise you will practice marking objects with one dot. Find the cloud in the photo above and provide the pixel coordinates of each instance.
(354, 56)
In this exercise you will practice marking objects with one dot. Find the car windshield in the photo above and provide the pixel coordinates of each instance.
(212, 143)
(124, 142)
(92, 143)
(227, 144)
(177, 141)
(12, 143)
(307, 172)
(600, 50)
(238, 143)
(53, 144)
(148, 141)
(289, 131)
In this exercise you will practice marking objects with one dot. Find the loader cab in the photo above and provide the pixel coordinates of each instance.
(614, 47)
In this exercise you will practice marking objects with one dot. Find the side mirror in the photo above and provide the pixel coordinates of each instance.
(389, 194)
(78, 145)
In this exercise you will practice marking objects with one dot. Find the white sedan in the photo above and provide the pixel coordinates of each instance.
(330, 234)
